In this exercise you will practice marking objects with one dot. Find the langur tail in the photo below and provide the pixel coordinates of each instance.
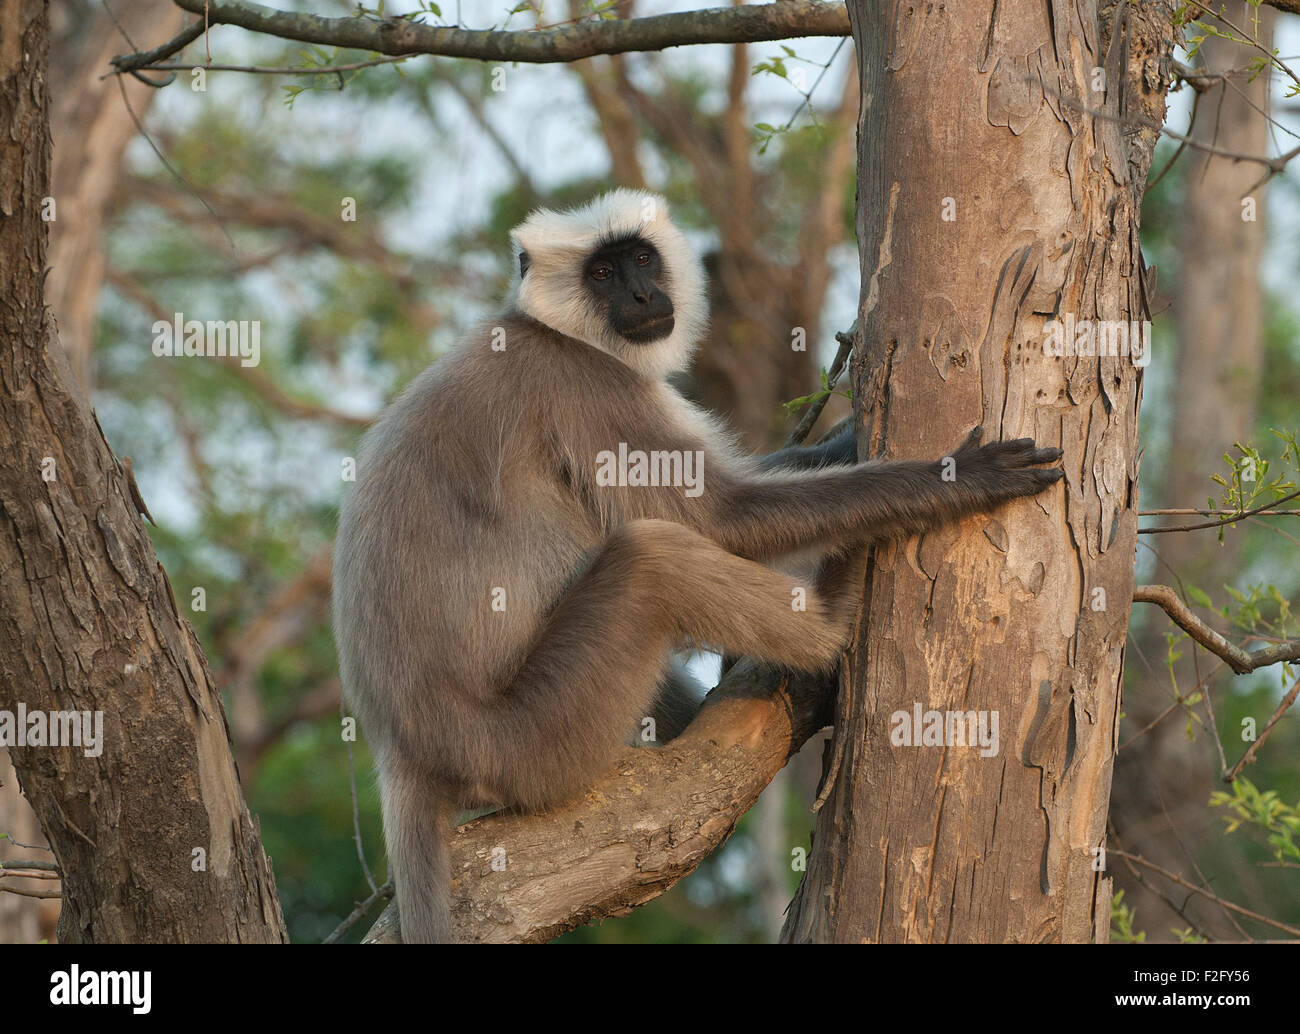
(417, 822)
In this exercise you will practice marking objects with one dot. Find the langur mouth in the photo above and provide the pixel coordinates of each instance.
(650, 330)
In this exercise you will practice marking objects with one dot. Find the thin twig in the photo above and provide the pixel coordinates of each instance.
(27, 847)
(1187, 511)
(1274, 165)
(287, 69)
(170, 168)
(1175, 878)
(1214, 721)
(1182, 146)
(1257, 511)
(1273, 60)
(134, 62)
(1179, 700)
(846, 339)
(807, 97)
(1249, 756)
(1191, 858)
(386, 891)
(356, 811)
(1179, 910)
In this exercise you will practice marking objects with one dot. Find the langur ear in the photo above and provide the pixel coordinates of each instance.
(524, 263)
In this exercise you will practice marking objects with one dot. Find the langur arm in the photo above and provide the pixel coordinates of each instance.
(782, 512)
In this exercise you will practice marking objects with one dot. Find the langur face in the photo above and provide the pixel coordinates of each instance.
(628, 278)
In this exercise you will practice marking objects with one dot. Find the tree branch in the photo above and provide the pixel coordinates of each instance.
(1257, 511)
(1175, 878)
(1241, 661)
(134, 62)
(651, 821)
(785, 20)
(1249, 756)
(846, 338)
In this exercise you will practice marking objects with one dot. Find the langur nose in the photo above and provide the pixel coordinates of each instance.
(641, 296)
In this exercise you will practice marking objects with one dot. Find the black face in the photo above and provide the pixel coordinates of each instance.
(628, 277)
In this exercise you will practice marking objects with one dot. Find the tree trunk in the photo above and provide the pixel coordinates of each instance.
(152, 834)
(983, 106)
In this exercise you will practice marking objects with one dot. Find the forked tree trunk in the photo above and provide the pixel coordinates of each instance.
(981, 104)
(152, 835)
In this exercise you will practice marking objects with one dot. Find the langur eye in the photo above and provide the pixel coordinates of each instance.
(602, 272)
(643, 258)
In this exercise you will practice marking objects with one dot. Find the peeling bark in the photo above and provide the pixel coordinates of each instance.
(982, 106)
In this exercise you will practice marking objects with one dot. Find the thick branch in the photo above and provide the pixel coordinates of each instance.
(785, 20)
(788, 19)
(1239, 660)
(655, 817)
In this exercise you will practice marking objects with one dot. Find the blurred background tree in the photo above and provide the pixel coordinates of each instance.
(1225, 246)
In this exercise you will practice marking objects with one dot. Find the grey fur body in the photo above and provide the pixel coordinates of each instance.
(480, 486)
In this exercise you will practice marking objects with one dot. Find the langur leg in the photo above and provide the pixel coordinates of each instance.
(602, 654)
(679, 699)
(841, 576)
(839, 447)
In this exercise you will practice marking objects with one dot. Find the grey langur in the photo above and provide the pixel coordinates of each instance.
(540, 519)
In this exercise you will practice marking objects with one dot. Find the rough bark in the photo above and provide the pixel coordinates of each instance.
(89, 622)
(651, 821)
(91, 128)
(983, 105)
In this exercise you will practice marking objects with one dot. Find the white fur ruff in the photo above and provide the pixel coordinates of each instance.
(552, 291)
